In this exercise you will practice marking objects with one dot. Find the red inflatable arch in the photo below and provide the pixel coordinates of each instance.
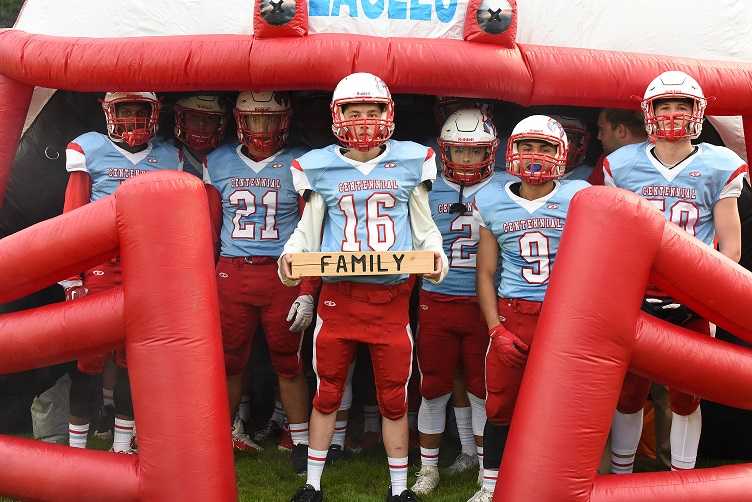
(174, 353)
(582, 350)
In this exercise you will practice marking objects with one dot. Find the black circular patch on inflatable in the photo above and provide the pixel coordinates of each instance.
(277, 12)
(494, 16)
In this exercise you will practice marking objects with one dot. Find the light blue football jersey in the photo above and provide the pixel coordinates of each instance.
(259, 202)
(109, 165)
(686, 194)
(581, 172)
(460, 232)
(528, 233)
(367, 202)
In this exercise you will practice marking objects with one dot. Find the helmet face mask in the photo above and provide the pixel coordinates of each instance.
(467, 146)
(355, 123)
(200, 122)
(673, 122)
(132, 117)
(263, 120)
(540, 165)
(578, 139)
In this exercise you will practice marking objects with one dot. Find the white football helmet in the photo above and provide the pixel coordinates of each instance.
(276, 110)
(674, 85)
(199, 139)
(578, 139)
(362, 133)
(132, 131)
(537, 168)
(468, 128)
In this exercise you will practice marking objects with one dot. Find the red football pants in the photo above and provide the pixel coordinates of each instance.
(635, 390)
(250, 293)
(502, 382)
(452, 335)
(377, 315)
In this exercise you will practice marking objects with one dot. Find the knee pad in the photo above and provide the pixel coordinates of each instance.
(432, 415)
(122, 394)
(83, 393)
(478, 406)
(683, 404)
(392, 402)
(346, 402)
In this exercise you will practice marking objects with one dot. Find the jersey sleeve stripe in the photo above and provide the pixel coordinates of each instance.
(75, 160)
(429, 153)
(743, 169)
(607, 167)
(296, 165)
(75, 147)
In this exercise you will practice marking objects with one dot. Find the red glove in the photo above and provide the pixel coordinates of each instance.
(507, 347)
(74, 292)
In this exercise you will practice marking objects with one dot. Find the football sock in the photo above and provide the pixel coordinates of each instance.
(316, 461)
(123, 434)
(479, 450)
(465, 429)
(107, 397)
(340, 430)
(77, 435)
(279, 413)
(398, 474)
(626, 430)
(429, 456)
(489, 479)
(299, 433)
(685, 437)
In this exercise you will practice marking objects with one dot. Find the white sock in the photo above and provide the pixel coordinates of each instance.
(464, 417)
(412, 420)
(108, 397)
(299, 433)
(371, 422)
(626, 430)
(316, 461)
(489, 479)
(279, 413)
(429, 456)
(340, 430)
(479, 450)
(77, 435)
(398, 474)
(685, 437)
(244, 409)
(123, 434)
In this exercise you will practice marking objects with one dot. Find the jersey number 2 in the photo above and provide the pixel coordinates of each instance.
(459, 256)
(245, 202)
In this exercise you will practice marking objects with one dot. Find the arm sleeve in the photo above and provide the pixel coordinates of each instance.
(734, 183)
(596, 177)
(307, 235)
(75, 159)
(78, 191)
(608, 177)
(426, 235)
(215, 215)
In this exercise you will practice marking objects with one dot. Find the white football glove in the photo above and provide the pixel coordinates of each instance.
(301, 313)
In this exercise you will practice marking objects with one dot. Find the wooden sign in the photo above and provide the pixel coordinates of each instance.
(357, 263)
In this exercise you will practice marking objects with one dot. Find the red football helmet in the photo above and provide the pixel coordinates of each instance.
(263, 120)
(200, 135)
(578, 139)
(133, 130)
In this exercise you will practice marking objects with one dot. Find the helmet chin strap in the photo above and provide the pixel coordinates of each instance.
(459, 206)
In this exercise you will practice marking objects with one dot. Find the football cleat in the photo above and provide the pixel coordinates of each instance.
(462, 463)
(406, 496)
(482, 495)
(272, 428)
(299, 459)
(284, 443)
(336, 453)
(307, 494)
(239, 426)
(124, 452)
(426, 480)
(105, 423)
(243, 442)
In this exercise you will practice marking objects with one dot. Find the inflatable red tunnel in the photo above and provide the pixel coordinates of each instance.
(167, 315)
(591, 329)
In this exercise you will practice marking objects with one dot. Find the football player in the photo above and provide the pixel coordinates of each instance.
(260, 210)
(578, 139)
(695, 187)
(97, 164)
(200, 124)
(369, 193)
(452, 336)
(524, 221)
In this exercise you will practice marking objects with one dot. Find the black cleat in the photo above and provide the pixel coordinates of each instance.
(307, 494)
(299, 458)
(406, 496)
(104, 423)
(335, 454)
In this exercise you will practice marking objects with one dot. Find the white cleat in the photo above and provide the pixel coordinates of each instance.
(426, 480)
(462, 463)
(482, 495)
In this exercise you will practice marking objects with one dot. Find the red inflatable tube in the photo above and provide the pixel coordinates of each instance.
(34, 470)
(747, 123)
(232, 62)
(731, 483)
(56, 249)
(693, 363)
(173, 339)
(14, 103)
(705, 280)
(581, 348)
(92, 324)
